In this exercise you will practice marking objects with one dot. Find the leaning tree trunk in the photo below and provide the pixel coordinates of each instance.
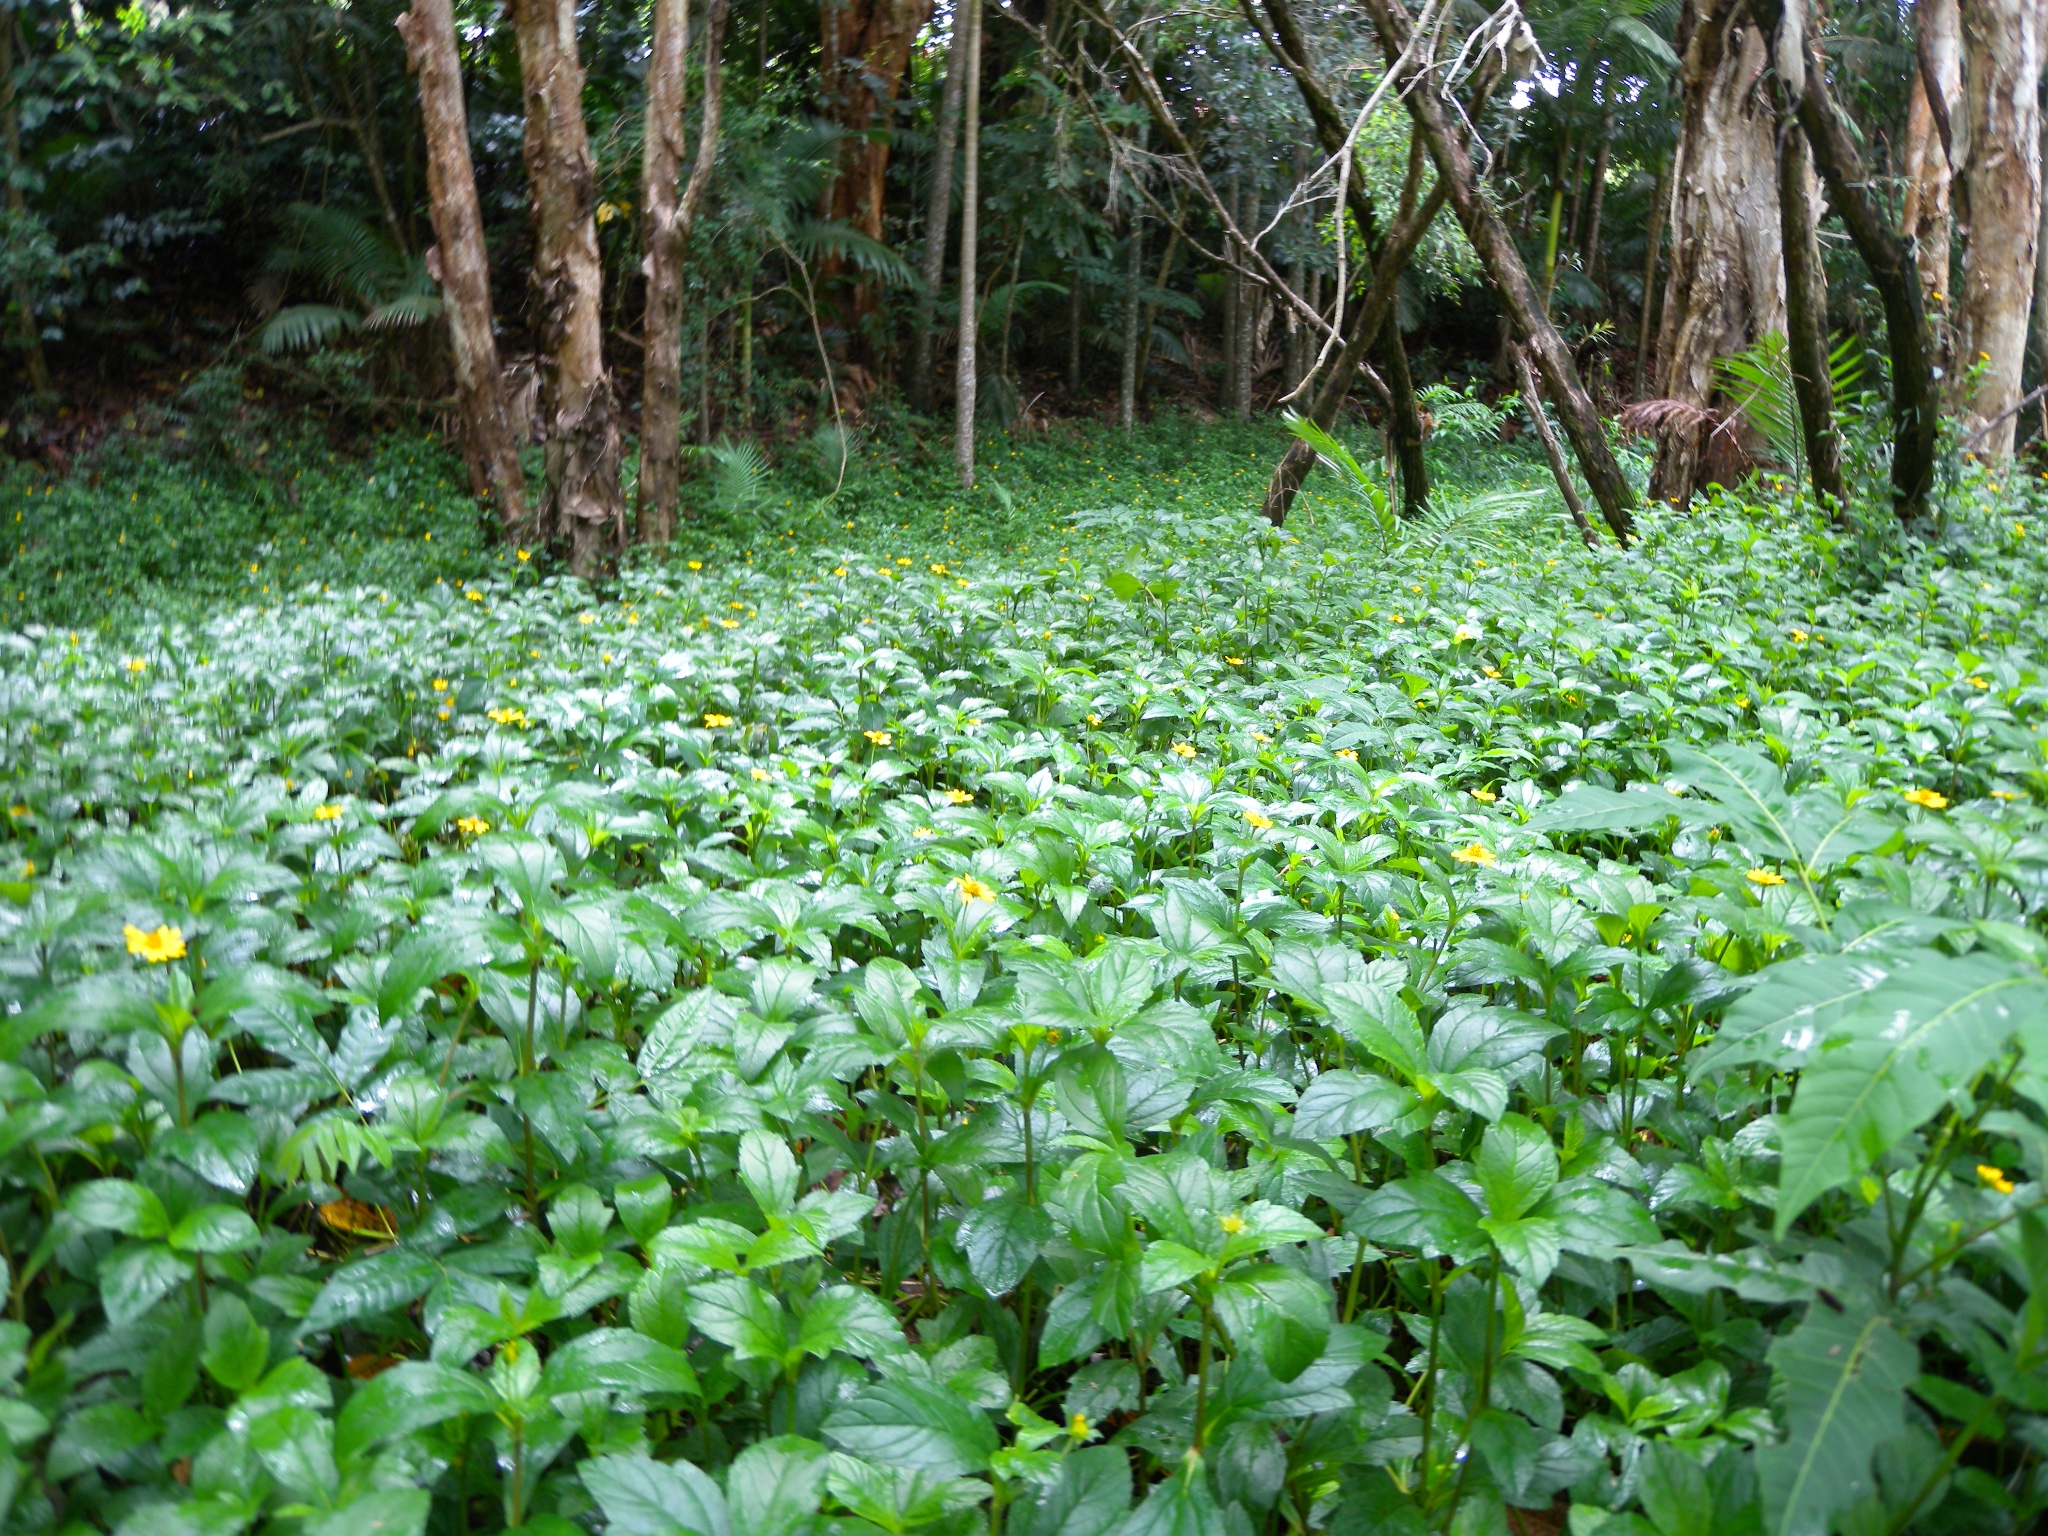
(1937, 92)
(670, 210)
(966, 379)
(1727, 283)
(937, 222)
(584, 503)
(1885, 254)
(1495, 247)
(488, 447)
(1998, 211)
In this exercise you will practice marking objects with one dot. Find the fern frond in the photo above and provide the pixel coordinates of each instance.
(821, 239)
(408, 309)
(300, 327)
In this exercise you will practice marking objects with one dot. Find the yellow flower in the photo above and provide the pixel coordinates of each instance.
(1484, 796)
(1231, 1224)
(1095, 719)
(136, 663)
(586, 618)
(472, 826)
(472, 594)
(1934, 800)
(903, 559)
(440, 685)
(1183, 749)
(1492, 671)
(839, 570)
(1079, 1427)
(1262, 738)
(1980, 682)
(939, 569)
(696, 565)
(736, 607)
(2006, 794)
(879, 738)
(155, 947)
(1764, 877)
(1466, 632)
(1348, 754)
(327, 813)
(17, 811)
(973, 890)
(760, 775)
(1995, 1177)
(1474, 853)
(2019, 530)
(1257, 820)
(1235, 661)
(524, 555)
(959, 797)
(923, 832)
(507, 715)
(717, 722)
(728, 623)
(1799, 637)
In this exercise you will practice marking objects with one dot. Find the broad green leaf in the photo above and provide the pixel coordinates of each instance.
(119, 1205)
(377, 1512)
(1090, 1498)
(774, 1486)
(1340, 1103)
(1844, 1376)
(617, 1360)
(1001, 1238)
(915, 1425)
(641, 1497)
(1588, 808)
(237, 1346)
(409, 1396)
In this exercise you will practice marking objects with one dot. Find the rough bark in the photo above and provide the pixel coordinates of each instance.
(1930, 107)
(489, 446)
(966, 378)
(31, 334)
(1495, 247)
(669, 213)
(1998, 211)
(1374, 311)
(864, 54)
(1727, 282)
(937, 224)
(1404, 420)
(1885, 254)
(584, 503)
(1134, 309)
(1806, 315)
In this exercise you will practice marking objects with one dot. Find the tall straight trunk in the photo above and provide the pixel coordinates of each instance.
(1589, 243)
(1495, 247)
(1233, 295)
(1151, 317)
(1806, 314)
(1075, 314)
(1249, 296)
(34, 361)
(584, 502)
(1914, 410)
(1998, 210)
(488, 448)
(1936, 95)
(938, 223)
(2040, 325)
(670, 211)
(1727, 282)
(864, 53)
(970, 257)
(1134, 309)
(1404, 421)
(1375, 310)
(1660, 199)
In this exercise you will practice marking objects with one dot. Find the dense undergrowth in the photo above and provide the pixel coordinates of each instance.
(1194, 1030)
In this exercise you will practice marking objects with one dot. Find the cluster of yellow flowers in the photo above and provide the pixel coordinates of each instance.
(327, 813)
(506, 715)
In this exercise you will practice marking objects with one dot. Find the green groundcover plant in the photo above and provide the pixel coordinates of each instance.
(1284, 1035)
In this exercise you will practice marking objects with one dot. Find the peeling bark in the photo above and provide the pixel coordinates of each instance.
(1930, 108)
(864, 52)
(966, 378)
(1726, 286)
(584, 502)
(490, 448)
(938, 221)
(1998, 211)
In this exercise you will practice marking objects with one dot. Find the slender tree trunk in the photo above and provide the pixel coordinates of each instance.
(1532, 398)
(1915, 420)
(1727, 282)
(1134, 308)
(34, 360)
(864, 53)
(1404, 420)
(661, 164)
(1998, 210)
(1935, 97)
(1374, 310)
(1806, 312)
(1075, 315)
(970, 233)
(1646, 321)
(1495, 247)
(585, 505)
(938, 222)
(464, 264)
(1151, 316)
(1589, 246)
(1248, 304)
(1233, 295)
(2040, 326)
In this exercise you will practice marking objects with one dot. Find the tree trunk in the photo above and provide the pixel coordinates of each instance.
(1660, 199)
(1233, 295)
(863, 56)
(1915, 422)
(1151, 316)
(938, 222)
(35, 362)
(464, 266)
(1806, 315)
(1134, 308)
(970, 233)
(1937, 92)
(1495, 247)
(1727, 282)
(1075, 307)
(1561, 472)
(1589, 245)
(1998, 210)
(669, 213)
(1374, 311)
(2040, 325)
(1248, 297)
(584, 503)
(1404, 420)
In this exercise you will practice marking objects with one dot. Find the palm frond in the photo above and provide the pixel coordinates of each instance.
(1365, 487)
(341, 250)
(301, 327)
(816, 240)
(408, 309)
